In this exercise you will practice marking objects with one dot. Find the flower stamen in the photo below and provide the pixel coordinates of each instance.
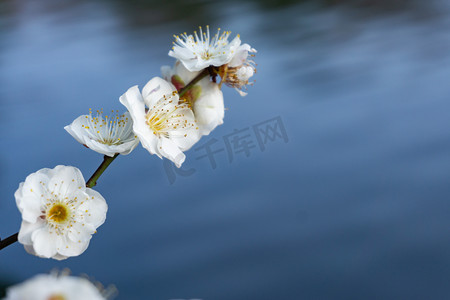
(200, 50)
(163, 121)
(58, 213)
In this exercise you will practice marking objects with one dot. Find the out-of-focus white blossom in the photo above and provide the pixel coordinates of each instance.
(58, 287)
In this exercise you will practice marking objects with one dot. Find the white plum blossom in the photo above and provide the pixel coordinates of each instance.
(104, 134)
(166, 128)
(57, 287)
(205, 98)
(238, 71)
(59, 214)
(200, 51)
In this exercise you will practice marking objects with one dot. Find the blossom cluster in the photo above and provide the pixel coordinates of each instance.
(60, 210)
(168, 116)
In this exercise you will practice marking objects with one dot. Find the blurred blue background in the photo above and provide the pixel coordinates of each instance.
(355, 205)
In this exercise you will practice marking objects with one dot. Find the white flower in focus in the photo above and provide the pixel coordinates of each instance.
(205, 98)
(238, 71)
(54, 287)
(103, 134)
(199, 52)
(166, 128)
(59, 214)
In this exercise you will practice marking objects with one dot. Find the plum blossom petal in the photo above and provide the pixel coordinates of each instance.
(170, 150)
(156, 89)
(209, 108)
(26, 230)
(241, 55)
(44, 243)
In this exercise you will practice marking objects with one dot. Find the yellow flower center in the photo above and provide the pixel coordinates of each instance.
(156, 122)
(206, 55)
(163, 118)
(56, 297)
(58, 213)
(109, 142)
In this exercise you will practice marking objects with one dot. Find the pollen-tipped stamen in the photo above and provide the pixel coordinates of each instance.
(167, 116)
(107, 130)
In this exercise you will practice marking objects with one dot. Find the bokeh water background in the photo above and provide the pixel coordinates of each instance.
(356, 205)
